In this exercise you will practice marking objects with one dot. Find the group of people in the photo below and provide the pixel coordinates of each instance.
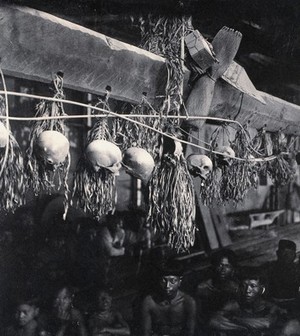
(64, 319)
(233, 301)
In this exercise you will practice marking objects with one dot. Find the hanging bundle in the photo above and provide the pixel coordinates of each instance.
(48, 157)
(278, 167)
(280, 170)
(172, 200)
(261, 144)
(13, 180)
(212, 189)
(94, 187)
(139, 143)
(171, 210)
(240, 175)
(134, 134)
(164, 36)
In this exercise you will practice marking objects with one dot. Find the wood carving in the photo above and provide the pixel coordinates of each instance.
(34, 45)
(225, 45)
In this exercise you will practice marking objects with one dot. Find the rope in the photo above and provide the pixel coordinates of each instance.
(127, 117)
(6, 117)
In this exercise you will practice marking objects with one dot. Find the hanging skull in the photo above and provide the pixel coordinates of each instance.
(3, 135)
(226, 156)
(138, 163)
(52, 146)
(199, 165)
(104, 154)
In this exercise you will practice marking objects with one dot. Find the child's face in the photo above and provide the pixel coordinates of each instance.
(251, 289)
(63, 300)
(104, 301)
(25, 313)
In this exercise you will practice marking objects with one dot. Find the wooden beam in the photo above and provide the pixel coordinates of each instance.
(34, 45)
(275, 113)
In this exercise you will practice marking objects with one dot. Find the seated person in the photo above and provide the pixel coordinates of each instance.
(26, 320)
(169, 311)
(138, 234)
(284, 277)
(88, 254)
(110, 239)
(105, 321)
(250, 314)
(221, 287)
(112, 236)
(65, 320)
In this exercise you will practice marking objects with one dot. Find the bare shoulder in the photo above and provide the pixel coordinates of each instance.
(205, 284)
(187, 297)
(148, 301)
(188, 300)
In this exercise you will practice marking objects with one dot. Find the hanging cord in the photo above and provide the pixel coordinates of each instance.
(126, 117)
(183, 131)
(7, 122)
(57, 107)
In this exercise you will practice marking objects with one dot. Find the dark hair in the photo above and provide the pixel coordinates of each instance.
(104, 290)
(286, 244)
(114, 218)
(226, 253)
(171, 267)
(84, 224)
(30, 301)
(70, 290)
(253, 274)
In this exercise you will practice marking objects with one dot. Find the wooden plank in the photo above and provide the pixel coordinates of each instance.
(219, 219)
(209, 227)
(34, 45)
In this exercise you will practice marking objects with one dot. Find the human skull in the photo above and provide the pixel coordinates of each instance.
(138, 163)
(104, 154)
(199, 165)
(227, 154)
(3, 135)
(52, 146)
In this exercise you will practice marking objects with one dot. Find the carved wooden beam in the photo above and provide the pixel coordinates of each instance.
(275, 113)
(34, 45)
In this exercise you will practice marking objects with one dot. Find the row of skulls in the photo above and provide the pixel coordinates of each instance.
(136, 161)
(53, 147)
(140, 164)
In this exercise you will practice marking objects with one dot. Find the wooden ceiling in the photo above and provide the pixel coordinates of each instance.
(270, 48)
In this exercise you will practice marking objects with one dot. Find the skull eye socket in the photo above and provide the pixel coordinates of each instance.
(206, 167)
